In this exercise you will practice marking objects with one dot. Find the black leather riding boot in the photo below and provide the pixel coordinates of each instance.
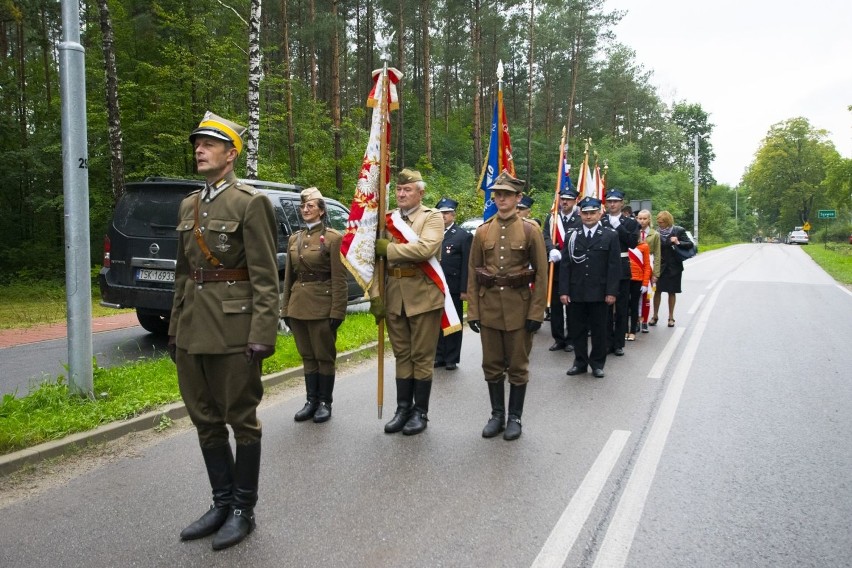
(220, 471)
(326, 387)
(496, 424)
(312, 388)
(417, 421)
(404, 404)
(240, 521)
(516, 408)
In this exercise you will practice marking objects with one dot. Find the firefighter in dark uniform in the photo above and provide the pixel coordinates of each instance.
(224, 322)
(455, 252)
(569, 217)
(314, 302)
(506, 257)
(628, 237)
(590, 272)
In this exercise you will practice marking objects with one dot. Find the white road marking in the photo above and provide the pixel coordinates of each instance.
(709, 286)
(619, 536)
(696, 304)
(568, 527)
(666, 354)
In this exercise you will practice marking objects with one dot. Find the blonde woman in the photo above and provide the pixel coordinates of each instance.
(671, 266)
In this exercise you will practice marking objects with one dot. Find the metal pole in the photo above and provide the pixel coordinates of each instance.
(75, 184)
(695, 196)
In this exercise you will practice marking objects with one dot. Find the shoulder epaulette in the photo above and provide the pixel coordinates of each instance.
(250, 189)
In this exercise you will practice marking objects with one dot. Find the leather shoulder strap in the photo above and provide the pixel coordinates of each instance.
(199, 237)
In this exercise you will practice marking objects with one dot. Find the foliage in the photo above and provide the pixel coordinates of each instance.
(836, 259)
(30, 302)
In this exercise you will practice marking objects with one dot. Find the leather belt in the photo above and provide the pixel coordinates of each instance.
(221, 275)
(403, 272)
(624, 255)
(314, 276)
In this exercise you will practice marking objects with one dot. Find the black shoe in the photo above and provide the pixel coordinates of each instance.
(307, 411)
(452, 366)
(618, 351)
(438, 364)
(220, 470)
(575, 370)
(236, 528)
(404, 405)
(323, 412)
(497, 422)
(598, 373)
(416, 423)
(569, 348)
(513, 428)
(557, 346)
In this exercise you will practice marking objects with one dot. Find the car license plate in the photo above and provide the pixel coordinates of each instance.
(149, 275)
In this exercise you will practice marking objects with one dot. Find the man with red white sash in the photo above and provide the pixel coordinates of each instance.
(416, 305)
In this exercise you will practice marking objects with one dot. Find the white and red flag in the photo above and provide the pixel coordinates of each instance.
(358, 249)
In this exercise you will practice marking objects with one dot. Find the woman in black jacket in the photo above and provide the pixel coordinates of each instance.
(671, 265)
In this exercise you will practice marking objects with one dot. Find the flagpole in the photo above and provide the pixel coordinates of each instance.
(554, 213)
(380, 262)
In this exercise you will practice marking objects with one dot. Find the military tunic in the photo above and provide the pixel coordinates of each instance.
(213, 321)
(413, 302)
(505, 247)
(314, 291)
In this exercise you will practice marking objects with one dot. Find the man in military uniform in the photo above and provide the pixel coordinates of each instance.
(628, 237)
(590, 273)
(507, 255)
(223, 324)
(413, 303)
(455, 252)
(556, 228)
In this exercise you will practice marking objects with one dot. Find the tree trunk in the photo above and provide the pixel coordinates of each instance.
(427, 80)
(335, 97)
(255, 72)
(477, 98)
(400, 56)
(116, 159)
(530, 97)
(447, 74)
(312, 57)
(288, 89)
(574, 73)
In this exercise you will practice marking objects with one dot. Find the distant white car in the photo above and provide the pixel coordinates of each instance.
(471, 224)
(798, 237)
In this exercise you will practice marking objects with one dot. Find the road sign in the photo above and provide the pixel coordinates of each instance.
(826, 213)
(806, 226)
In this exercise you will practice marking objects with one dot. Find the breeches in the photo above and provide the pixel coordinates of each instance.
(414, 340)
(221, 390)
(506, 353)
(315, 343)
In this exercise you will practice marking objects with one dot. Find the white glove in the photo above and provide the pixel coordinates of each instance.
(615, 221)
(643, 289)
(555, 255)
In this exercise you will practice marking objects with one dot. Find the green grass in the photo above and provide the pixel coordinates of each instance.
(28, 304)
(834, 258)
(50, 413)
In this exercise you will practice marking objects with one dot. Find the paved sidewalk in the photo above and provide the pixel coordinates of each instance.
(35, 334)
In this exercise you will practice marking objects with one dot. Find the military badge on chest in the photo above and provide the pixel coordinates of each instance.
(223, 243)
(449, 249)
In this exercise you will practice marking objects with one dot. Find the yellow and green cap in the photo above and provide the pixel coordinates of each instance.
(217, 127)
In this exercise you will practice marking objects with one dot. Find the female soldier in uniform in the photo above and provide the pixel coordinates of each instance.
(315, 302)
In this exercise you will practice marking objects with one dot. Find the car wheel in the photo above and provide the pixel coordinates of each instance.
(153, 322)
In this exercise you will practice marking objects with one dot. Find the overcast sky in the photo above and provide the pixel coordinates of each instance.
(748, 63)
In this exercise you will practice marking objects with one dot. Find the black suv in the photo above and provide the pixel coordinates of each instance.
(141, 244)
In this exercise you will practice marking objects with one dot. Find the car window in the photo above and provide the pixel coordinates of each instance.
(337, 216)
(149, 211)
(294, 220)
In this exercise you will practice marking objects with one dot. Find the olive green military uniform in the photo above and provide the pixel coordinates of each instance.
(505, 247)
(213, 321)
(314, 304)
(506, 288)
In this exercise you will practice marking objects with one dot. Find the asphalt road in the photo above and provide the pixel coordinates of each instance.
(724, 441)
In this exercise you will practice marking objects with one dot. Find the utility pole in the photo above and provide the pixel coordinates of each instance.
(75, 185)
(695, 195)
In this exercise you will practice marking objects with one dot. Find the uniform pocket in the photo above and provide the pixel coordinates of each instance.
(237, 321)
